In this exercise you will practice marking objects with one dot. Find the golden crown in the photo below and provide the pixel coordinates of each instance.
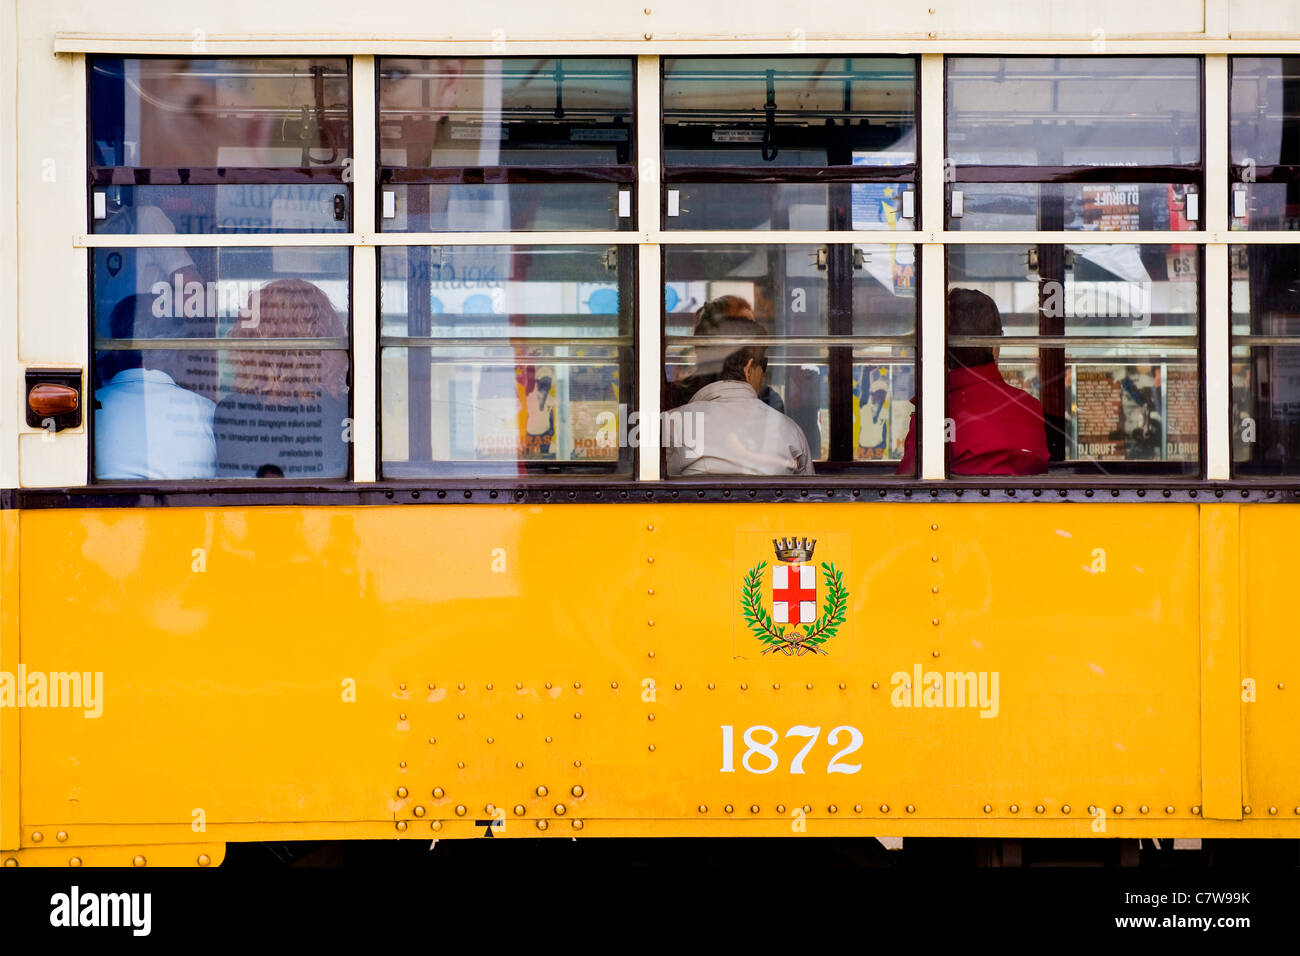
(794, 550)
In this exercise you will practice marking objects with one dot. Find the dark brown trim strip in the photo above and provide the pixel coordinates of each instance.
(825, 490)
(790, 174)
(1078, 174)
(214, 176)
(505, 175)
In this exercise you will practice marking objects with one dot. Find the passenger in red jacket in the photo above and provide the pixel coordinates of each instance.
(997, 428)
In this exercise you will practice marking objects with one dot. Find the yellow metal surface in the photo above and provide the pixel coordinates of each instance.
(568, 670)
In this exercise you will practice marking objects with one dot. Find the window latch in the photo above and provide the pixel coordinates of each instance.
(821, 258)
(956, 204)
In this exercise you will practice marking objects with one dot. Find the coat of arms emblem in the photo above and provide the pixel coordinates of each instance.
(794, 626)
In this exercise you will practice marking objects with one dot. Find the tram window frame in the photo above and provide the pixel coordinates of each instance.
(841, 176)
(514, 240)
(1245, 175)
(216, 175)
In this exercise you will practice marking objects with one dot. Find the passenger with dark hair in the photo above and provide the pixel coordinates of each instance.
(997, 429)
(148, 427)
(735, 432)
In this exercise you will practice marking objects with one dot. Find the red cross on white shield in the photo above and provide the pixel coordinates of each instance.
(794, 594)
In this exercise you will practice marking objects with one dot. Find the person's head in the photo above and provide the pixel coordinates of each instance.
(730, 316)
(290, 308)
(972, 313)
(133, 318)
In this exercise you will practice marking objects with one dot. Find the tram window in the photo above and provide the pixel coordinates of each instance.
(1265, 360)
(506, 360)
(1074, 143)
(804, 143)
(831, 329)
(244, 375)
(1264, 139)
(220, 146)
(1102, 337)
(507, 144)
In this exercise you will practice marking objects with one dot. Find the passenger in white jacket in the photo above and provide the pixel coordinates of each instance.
(734, 432)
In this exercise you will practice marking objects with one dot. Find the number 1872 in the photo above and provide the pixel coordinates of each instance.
(760, 755)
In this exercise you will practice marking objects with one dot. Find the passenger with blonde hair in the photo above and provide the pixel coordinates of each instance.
(288, 413)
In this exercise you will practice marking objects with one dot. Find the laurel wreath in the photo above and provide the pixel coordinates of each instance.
(794, 641)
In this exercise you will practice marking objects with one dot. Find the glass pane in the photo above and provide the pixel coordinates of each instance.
(1095, 289)
(1269, 206)
(782, 312)
(1074, 111)
(505, 112)
(545, 207)
(805, 206)
(245, 111)
(223, 210)
(506, 360)
(245, 375)
(1266, 359)
(1265, 120)
(1081, 207)
(791, 111)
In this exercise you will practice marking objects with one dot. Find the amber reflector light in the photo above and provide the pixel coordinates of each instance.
(50, 401)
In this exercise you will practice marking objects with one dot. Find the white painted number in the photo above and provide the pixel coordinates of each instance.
(728, 757)
(812, 733)
(766, 750)
(855, 741)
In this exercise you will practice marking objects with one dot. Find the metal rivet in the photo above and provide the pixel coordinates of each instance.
(433, 740)
(934, 527)
(577, 824)
(542, 791)
(934, 621)
(884, 808)
(576, 790)
(649, 560)
(649, 36)
(418, 811)
(37, 836)
(1281, 686)
(61, 836)
(712, 686)
(649, 590)
(744, 687)
(703, 809)
(401, 793)
(832, 809)
(491, 740)
(138, 861)
(807, 686)
(910, 808)
(1092, 810)
(1015, 808)
(857, 808)
(1196, 811)
(934, 653)
(729, 808)
(776, 687)
(76, 861)
(988, 808)
(577, 716)
(519, 764)
(650, 623)
(1118, 809)
(780, 808)
(650, 717)
(935, 589)
(435, 825)
(843, 685)
(1246, 810)
(401, 716)
(1169, 809)
(754, 808)
(650, 654)
(548, 740)
(489, 686)
(649, 527)
(559, 810)
(875, 685)
(460, 764)
(1144, 809)
(460, 809)
(677, 686)
(613, 685)
(519, 716)
(519, 809)
(807, 808)
(577, 763)
(460, 686)
(460, 716)
(1039, 808)
(548, 685)
(401, 687)
(934, 557)
(652, 747)
(519, 685)
(438, 793)
(542, 824)
(432, 687)
(401, 764)
(1272, 811)
(1065, 808)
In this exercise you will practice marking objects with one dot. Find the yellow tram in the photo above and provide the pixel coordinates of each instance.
(432, 279)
